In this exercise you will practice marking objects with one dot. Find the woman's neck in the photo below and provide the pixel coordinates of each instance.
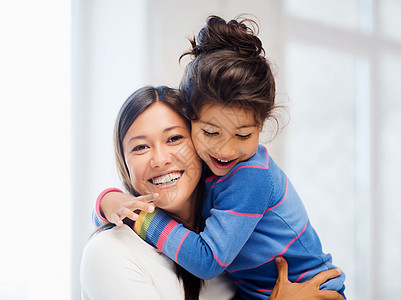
(186, 213)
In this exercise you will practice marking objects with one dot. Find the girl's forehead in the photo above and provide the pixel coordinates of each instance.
(216, 113)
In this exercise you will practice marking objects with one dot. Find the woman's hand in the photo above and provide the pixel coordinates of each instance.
(308, 290)
(118, 206)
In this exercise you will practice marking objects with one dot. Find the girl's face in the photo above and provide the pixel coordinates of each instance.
(160, 157)
(224, 136)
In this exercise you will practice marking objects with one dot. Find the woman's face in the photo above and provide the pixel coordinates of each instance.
(160, 157)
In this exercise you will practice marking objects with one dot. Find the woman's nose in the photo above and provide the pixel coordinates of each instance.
(160, 157)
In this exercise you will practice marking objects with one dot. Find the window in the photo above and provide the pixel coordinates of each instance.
(343, 62)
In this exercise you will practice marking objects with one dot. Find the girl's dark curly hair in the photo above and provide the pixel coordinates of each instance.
(229, 67)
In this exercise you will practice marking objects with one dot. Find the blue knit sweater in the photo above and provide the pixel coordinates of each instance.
(253, 214)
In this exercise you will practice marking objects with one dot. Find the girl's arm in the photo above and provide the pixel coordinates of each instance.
(113, 206)
(308, 290)
(236, 211)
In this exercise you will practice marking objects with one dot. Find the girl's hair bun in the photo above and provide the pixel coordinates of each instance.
(234, 35)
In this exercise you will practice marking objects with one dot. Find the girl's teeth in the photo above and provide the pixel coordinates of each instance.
(168, 178)
(223, 161)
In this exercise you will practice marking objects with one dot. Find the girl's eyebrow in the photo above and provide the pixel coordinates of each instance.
(138, 137)
(209, 123)
(214, 125)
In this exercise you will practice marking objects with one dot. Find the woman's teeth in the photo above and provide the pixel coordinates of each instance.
(167, 178)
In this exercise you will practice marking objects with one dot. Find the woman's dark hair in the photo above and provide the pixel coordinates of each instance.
(132, 108)
(228, 67)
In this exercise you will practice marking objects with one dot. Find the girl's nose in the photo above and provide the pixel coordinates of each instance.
(227, 148)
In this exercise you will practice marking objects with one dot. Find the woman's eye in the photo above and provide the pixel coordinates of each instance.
(207, 133)
(244, 137)
(175, 138)
(139, 148)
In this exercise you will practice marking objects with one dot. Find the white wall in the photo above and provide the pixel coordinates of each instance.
(330, 59)
(35, 150)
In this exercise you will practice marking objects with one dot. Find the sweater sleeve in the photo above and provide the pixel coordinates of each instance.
(237, 208)
(98, 218)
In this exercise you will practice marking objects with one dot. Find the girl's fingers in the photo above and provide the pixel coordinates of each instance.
(124, 212)
(282, 269)
(142, 205)
(115, 219)
(147, 198)
(322, 277)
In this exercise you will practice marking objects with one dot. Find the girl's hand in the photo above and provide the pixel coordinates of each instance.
(118, 206)
(308, 290)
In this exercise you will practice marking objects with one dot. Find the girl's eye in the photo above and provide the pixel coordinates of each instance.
(175, 138)
(210, 134)
(139, 148)
(244, 137)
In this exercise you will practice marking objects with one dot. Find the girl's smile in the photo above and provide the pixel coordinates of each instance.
(225, 136)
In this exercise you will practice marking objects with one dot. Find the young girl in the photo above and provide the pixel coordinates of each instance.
(251, 210)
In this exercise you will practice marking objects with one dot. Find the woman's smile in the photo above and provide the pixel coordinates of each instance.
(161, 158)
(166, 180)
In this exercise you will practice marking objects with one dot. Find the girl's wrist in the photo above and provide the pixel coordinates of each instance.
(99, 212)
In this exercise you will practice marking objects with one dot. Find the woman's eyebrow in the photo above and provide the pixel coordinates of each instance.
(138, 137)
(173, 127)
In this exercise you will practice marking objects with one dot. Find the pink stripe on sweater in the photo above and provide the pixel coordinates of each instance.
(247, 166)
(244, 214)
(267, 157)
(290, 243)
(279, 254)
(179, 246)
(211, 178)
(302, 275)
(285, 194)
(219, 262)
(165, 233)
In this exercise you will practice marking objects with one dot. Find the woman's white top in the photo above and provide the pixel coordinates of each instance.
(118, 264)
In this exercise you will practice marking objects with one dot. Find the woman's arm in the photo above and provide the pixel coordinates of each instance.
(308, 290)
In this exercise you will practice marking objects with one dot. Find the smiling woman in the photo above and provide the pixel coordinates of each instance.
(161, 159)
(154, 154)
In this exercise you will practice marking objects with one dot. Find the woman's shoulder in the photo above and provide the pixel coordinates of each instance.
(113, 252)
(123, 239)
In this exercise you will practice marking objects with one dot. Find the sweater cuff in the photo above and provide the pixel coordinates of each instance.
(154, 228)
(98, 214)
